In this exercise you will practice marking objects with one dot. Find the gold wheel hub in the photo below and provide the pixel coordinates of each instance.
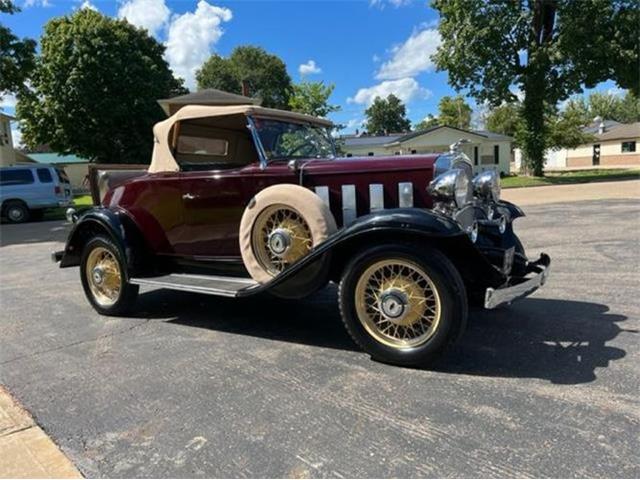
(280, 237)
(397, 303)
(103, 276)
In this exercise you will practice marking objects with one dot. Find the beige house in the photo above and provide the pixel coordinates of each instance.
(7, 153)
(615, 144)
(487, 150)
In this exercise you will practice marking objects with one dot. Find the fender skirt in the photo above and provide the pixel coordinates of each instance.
(328, 260)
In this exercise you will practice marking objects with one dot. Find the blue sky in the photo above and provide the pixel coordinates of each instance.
(363, 47)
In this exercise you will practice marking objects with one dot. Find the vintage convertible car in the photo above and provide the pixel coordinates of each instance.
(242, 200)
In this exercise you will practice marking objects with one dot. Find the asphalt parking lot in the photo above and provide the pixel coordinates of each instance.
(195, 386)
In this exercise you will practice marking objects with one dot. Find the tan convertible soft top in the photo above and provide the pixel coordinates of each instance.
(162, 159)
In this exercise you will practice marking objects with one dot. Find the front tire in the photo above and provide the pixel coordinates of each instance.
(102, 272)
(401, 307)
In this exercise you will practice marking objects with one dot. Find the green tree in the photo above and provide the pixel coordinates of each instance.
(264, 74)
(312, 98)
(387, 116)
(623, 109)
(428, 122)
(94, 89)
(17, 56)
(549, 49)
(505, 119)
(454, 112)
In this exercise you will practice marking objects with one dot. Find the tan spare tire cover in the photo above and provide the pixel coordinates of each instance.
(292, 210)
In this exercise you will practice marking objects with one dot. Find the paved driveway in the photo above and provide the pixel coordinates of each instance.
(202, 386)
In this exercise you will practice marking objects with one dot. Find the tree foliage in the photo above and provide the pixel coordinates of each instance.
(386, 116)
(94, 89)
(265, 75)
(427, 122)
(505, 119)
(312, 98)
(549, 49)
(624, 109)
(17, 56)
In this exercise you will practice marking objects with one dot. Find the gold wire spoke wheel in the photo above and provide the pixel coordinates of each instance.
(397, 303)
(103, 276)
(280, 237)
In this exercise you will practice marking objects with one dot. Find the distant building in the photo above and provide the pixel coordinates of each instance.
(614, 144)
(7, 152)
(487, 150)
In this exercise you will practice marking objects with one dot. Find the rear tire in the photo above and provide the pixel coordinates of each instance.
(103, 276)
(16, 212)
(401, 307)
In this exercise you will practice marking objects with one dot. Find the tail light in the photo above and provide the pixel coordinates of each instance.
(57, 190)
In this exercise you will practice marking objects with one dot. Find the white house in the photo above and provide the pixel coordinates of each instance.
(487, 150)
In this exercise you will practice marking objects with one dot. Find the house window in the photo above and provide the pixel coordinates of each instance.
(496, 154)
(371, 154)
(628, 147)
(475, 155)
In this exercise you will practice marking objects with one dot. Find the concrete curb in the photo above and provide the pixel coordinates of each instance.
(26, 451)
(572, 193)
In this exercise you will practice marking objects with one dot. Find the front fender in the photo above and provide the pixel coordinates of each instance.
(386, 226)
(96, 221)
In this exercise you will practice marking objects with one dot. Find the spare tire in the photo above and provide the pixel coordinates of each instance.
(280, 225)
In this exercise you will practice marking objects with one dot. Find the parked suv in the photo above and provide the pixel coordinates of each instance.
(26, 191)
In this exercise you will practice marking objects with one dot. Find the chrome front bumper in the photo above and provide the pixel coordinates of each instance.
(494, 297)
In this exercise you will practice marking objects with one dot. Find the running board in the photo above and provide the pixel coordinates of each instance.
(207, 284)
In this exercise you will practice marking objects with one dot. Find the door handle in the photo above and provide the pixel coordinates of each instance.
(188, 196)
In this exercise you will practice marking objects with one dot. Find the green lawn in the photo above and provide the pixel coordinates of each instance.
(83, 201)
(564, 178)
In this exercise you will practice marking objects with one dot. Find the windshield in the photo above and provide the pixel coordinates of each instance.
(285, 140)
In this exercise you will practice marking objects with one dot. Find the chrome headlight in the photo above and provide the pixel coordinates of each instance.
(486, 185)
(451, 186)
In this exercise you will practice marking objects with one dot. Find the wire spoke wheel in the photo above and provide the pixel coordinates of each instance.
(104, 277)
(397, 303)
(280, 237)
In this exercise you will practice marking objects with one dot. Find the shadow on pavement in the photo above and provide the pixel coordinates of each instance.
(33, 232)
(561, 341)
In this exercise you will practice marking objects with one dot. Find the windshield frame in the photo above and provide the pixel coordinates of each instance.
(265, 159)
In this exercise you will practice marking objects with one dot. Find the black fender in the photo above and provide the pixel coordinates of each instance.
(514, 210)
(118, 226)
(403, 225)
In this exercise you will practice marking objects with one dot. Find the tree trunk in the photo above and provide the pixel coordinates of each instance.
(534, 136)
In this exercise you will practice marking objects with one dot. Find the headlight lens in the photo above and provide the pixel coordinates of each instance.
(451, 185)
(486, 185)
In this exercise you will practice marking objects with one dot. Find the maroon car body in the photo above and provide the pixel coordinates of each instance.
(195, 214)
(243, 200)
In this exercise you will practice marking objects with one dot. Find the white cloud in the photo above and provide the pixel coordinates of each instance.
(7, 100)
(36, 3)
(191, 38)
(88, 5)
(616, 91)
(309, 68)
(395, 3)
(406, 89)
(149, 14)
(354, 123)
(412, 57)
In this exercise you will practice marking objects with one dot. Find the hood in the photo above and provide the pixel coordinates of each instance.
(369, 165)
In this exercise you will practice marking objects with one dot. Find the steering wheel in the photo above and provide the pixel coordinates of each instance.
(293, 152)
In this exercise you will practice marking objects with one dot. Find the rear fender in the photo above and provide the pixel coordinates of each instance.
(411, 225)
(116, 225)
